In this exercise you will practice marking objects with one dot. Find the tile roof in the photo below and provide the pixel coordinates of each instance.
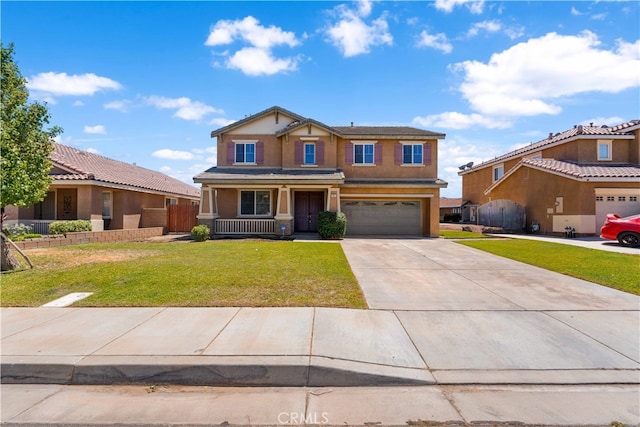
(385, 131)
(349, 131)
(268, 174)
(585, 170)
(579, 131)
(446, 202)
(82, 165)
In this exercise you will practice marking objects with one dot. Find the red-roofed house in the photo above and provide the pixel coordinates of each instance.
(570, 179)
(277, 170)
(451, 209)
(109, 193)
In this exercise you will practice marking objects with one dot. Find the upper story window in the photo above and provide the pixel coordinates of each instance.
(363, 154)
(170, 201)
(498, 172)
(309, 152)
(604, 150)
(412, 154)
(245, 152)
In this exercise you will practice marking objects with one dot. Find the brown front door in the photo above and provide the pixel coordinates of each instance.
(307, 206)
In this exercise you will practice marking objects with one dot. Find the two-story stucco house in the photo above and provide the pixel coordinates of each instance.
(569, 179)
(277, 170)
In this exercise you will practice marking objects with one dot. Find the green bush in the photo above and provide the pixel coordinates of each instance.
(16, 231)
(200, 233)
(62, 227)
(22, 237)
(332, 225)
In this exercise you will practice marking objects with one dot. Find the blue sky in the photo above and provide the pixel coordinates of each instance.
(147, 82)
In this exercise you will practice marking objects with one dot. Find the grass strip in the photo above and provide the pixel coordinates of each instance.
(612, 269)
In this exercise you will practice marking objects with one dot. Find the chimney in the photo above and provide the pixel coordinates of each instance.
(579, 129)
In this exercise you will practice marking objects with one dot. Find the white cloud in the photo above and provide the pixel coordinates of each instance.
(221, 122)
(575, 12)
(186, 109)
(492, 26)
(526, 79)
(122, 105)
(454, 120)
(78, 103)
(165, 153)
(62, 84)
(353, 36)
(97, 129)
(92, 150)
(254, 61)
(437, 41)
(447, 6)
(258, 58)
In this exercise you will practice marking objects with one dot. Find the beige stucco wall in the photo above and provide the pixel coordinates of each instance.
(388, 168)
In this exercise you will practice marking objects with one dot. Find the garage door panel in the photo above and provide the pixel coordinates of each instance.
(383, 217)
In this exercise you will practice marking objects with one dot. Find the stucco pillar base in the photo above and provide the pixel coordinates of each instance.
(287, 223)
(209, 221)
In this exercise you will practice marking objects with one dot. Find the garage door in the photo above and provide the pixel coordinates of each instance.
(383, 217)
(610, 202)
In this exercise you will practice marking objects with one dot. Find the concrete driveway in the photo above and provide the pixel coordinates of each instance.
(438, 274)
(477, 317)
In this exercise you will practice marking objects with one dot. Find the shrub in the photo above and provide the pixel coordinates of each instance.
(62, 227)
(200, 233)
(332, 225)
(22, 237)
(16, 230)
(453, 217)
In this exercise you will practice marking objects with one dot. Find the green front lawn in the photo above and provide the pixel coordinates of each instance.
(615, 270)
(212, 274)
(459, 234)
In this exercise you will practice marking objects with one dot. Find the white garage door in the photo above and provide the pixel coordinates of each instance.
(610, 202)
(383, 217)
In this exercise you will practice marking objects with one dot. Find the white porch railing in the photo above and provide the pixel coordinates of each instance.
(245, 226)
(39, 226)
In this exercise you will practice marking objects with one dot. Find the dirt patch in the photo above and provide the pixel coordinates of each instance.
(74, 258)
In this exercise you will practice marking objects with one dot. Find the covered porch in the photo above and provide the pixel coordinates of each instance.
(266, 202)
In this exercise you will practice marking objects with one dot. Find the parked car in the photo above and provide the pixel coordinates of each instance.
(625, 230)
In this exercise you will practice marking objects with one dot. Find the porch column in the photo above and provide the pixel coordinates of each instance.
(208, 207)
(333, 199)
(283, 214)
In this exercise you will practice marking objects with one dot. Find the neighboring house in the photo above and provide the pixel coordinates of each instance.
(451, 209)
(277, 170)
(109, 193)
(570, 179)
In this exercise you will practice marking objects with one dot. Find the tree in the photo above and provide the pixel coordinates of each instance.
(25, 148)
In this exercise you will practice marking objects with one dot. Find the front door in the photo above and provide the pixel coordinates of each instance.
(307, 206)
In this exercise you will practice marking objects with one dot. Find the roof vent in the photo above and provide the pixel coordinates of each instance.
(591, 124)
(579, 129)
(604, 126)
(550, 135)
(351, 124)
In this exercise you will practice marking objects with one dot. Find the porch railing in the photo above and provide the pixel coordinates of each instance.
(38, 226)
(245, 226)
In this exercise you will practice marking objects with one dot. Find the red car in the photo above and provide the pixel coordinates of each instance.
(624, 230)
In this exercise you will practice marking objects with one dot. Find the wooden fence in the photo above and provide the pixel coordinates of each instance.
(182, 218)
